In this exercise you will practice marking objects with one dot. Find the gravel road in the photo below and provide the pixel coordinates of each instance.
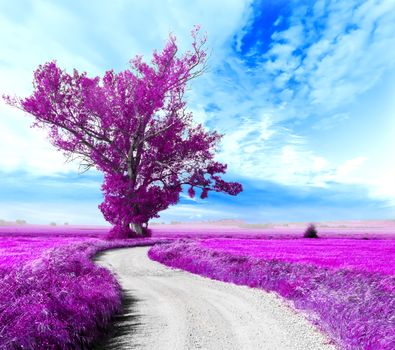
(173, 309)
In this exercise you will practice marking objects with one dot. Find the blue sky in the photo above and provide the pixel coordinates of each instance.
(303, 91)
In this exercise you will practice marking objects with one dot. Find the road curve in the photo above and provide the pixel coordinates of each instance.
(174, 309)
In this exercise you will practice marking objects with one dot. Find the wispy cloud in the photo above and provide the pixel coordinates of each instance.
(302, 74)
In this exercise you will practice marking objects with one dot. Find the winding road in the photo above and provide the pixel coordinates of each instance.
(172, 309)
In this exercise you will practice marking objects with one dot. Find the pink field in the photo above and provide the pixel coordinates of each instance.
(22, 243)
(363, 255)
(53, 297)
(19, 250)
(234, 229)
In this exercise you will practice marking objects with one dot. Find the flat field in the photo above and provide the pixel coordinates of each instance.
(374, 255)
(52, 296)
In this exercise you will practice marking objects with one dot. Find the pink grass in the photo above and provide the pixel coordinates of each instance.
(364, 255)
(52, 296)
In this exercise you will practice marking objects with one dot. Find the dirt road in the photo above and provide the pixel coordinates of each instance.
(173, 309)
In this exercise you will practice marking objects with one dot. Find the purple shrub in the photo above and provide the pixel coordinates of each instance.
(310, 232)
(119, 233)
(355, 308)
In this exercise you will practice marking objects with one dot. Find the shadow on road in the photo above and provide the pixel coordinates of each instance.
(123, 326)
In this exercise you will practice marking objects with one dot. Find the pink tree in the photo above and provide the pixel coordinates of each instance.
(134, 127)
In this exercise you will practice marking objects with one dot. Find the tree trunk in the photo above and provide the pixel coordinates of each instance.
(139, 229)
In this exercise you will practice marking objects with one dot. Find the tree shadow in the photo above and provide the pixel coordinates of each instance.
(123, 325)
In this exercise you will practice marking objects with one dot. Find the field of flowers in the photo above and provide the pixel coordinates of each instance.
(345, 286)
(364, 255)
(52, 296)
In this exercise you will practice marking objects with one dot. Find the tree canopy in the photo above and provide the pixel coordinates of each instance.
(133, 126)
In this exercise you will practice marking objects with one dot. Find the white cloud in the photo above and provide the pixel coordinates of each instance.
(352, 53)
(308, 77)
(188, 198)
(196, 212)
(350, 166)
(24, 148)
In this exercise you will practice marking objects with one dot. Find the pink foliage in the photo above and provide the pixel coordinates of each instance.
(191, 192)
(134, 127)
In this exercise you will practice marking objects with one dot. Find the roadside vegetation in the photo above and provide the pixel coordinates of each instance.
(345, 286)
(52, 295)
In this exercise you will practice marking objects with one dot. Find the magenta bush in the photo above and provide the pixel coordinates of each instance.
(355, 308)
(311, 232)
